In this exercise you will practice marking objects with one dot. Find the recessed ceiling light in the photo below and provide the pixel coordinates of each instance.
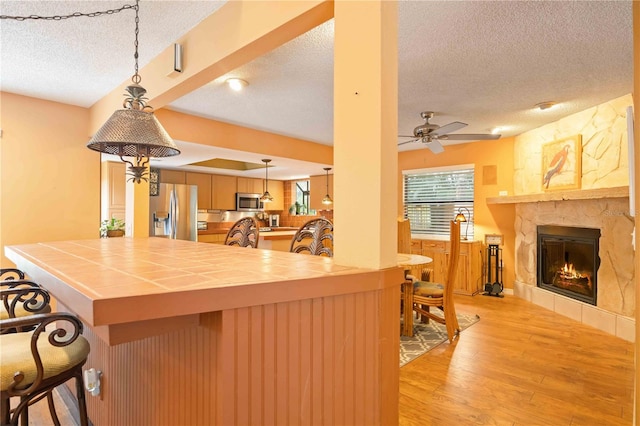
(544, 105)
(497, 130)
(236, 84)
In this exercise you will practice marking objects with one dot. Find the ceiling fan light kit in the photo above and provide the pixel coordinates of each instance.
(430, 134)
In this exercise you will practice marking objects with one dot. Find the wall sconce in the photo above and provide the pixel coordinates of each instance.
(266, 197)
(460, 217)
(327, 198)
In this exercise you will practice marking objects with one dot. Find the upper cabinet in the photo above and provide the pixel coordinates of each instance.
(218, 192)
(203, 182)
(276, 189)
(250, 185)
(223, 192)
(172, 176)
(318, 189)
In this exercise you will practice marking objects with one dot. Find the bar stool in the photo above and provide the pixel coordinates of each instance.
(314, 237)
(21, 298)
(35, 362)
(243, 233)
(7, 274)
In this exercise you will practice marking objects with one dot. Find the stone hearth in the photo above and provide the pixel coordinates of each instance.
(616, 290)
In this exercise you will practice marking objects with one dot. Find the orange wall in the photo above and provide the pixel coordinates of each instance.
(488, 219)
(49, 179)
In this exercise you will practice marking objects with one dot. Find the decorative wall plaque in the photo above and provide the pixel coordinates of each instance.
(154, 181)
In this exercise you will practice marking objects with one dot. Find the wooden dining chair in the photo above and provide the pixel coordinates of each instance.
(243, 233)
(440, 295)
(404, 235)
(314, 237)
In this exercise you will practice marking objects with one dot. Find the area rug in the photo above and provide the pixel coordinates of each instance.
(428, 336)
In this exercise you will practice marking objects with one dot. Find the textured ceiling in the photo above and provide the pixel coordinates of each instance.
(482, 63)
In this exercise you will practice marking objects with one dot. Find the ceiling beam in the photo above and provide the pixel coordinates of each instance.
(235, 34)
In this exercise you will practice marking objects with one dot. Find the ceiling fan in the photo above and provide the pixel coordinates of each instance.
(431, 134)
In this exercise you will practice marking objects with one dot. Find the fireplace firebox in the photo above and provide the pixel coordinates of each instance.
(568, 261)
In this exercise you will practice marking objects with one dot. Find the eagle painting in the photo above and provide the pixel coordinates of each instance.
(555, 165)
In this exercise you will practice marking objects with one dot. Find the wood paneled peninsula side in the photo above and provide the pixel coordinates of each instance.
(193, 333)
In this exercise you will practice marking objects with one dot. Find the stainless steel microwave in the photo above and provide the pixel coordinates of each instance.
(248, 202)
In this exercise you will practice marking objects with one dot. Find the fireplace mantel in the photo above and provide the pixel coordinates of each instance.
(578, 194)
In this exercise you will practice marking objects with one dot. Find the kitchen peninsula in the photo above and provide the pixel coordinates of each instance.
(192, 333)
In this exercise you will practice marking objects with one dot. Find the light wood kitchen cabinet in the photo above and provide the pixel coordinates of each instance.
(223, 192)
(318, 189)
(469, 278)
(250, 185)
(172, 176)
(276, 189)
(212, 238)
(203, 182)
(113, 190)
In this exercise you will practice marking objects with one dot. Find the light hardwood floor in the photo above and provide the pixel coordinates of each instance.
(520, 365)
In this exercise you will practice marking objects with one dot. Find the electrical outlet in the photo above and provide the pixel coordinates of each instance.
(92, 381)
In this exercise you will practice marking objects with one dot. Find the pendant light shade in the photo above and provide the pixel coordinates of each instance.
(266, 197)
(327, 198)
(133, 133)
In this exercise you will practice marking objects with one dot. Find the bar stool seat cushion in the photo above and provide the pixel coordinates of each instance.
(20, 311)
(16, 356)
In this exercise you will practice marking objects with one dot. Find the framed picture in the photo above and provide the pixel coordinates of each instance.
(562, 164)
(154, 181)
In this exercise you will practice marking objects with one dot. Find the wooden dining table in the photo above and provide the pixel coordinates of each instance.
(413, 265)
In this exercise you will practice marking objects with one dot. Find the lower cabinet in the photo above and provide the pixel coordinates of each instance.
(469, 278)
(212, 238)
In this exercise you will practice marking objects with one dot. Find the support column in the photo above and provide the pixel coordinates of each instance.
(636, 162)
(137, 209)
(365, 133)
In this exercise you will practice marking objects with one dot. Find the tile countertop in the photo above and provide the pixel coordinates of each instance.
(112, 281)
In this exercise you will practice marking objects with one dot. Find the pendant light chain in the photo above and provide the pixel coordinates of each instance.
(136, 77)
(73, 15)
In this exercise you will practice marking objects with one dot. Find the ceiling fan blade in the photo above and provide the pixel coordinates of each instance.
(469, 137)
(435, 146)
(407, 136)
(448, 128)
(406, 142)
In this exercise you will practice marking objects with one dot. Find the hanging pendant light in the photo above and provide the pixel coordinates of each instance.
(134, 131)
(266, 197)
(327, 198)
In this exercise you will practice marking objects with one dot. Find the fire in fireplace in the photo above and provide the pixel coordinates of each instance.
(568, 261)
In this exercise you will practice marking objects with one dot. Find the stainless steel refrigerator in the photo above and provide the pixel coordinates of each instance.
(174, 212)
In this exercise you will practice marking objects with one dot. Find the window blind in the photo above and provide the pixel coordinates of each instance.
(433, 198)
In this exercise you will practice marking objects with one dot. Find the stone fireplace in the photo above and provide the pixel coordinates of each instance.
(568, 261)
(613, 305)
